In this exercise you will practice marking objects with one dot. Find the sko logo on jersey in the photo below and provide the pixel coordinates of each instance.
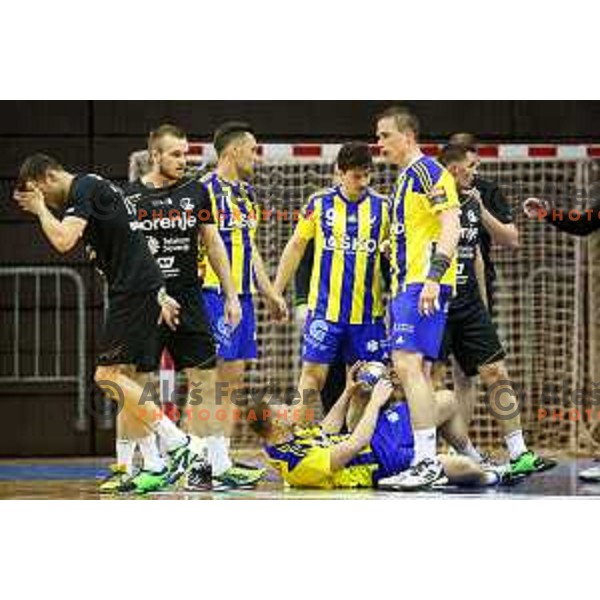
(350, 244)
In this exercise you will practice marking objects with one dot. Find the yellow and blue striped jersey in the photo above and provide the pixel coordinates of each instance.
(346, 284)
(423, 189)
(236, 216)
(305, 461)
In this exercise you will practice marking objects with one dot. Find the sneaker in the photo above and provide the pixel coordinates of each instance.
(110, 484)
(181, 460)
(529, 462)
(199, 477)
(241, 477)
(591, 474)
(423, 475)
(150, 481)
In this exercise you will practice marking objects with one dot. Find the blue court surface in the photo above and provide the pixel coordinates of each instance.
(78, 479)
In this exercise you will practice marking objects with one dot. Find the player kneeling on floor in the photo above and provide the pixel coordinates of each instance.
(380, 443)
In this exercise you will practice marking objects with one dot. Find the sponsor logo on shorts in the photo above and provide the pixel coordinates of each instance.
(318, 330)
(372, 346)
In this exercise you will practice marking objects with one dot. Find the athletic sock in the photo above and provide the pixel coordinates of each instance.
(470, 451)
(169, 433)
(125, 452)
(515, 444)
(153, 461)
(425, 444)
(218, 456)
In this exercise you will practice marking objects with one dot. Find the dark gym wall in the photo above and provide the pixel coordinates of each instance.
(101, 134)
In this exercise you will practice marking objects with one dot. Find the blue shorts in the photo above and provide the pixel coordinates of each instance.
(232, 344)
(324, 341)
(412, 331)
(393, 443)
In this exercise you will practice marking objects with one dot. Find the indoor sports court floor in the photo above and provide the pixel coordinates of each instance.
(77, 479)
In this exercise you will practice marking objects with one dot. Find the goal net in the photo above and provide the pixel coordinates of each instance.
(547, 299)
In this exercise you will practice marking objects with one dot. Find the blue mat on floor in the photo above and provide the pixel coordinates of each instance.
(49, 472)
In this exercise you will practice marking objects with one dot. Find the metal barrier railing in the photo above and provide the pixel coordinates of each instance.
(42, 278)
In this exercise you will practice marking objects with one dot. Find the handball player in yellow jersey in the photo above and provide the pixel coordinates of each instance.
(380, 444)
(424, 232)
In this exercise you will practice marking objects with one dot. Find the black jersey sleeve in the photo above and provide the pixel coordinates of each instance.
(585, 225)
(82, 197)
(494, 200)
(204, 205)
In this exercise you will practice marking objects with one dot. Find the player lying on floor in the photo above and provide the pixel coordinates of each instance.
(379, 444)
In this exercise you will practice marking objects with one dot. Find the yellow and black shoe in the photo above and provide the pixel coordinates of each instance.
(117, 477)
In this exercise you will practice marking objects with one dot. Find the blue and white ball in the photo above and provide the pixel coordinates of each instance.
(370, 373)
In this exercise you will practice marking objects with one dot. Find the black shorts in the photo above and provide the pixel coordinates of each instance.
(191, 344)
(131, 333)
(470, 336)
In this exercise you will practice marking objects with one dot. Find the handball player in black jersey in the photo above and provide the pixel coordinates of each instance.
(470, 335)
(174, 213)
(94, 209)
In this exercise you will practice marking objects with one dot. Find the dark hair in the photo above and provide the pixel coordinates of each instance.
(403, 117)
(162, 131)
(453, 153)
(229, 132)
(354, 155)
(35, 167)
(262, 425)
(463, 139)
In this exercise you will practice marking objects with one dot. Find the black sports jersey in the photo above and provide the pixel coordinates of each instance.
(467, 287)
(110, 239)
(493, 199)
(170, 219)
(587, 223)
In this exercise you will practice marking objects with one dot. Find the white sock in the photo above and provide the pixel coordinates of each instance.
(218, 456)
(470, 451)
(170, 434)
(425, 444)
(515, 444)
(125, 452)
(153, 461)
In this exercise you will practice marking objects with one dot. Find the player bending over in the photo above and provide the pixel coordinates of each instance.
(94, 209)
(380, 443)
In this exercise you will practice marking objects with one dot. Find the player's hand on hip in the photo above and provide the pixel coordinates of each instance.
(233, 311)
(300, 312)
(169, 310)
(535, 208)
(429, 299)
(30, 199)
(382, 392)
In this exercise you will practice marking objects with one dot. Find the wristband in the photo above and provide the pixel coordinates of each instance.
(438, 266)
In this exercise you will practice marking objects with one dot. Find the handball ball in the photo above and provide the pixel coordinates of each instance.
(371, 372)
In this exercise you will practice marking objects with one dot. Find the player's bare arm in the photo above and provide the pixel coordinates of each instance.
(445, 250)
(63, 235)
(336, 417)
(345, 451)
(275, 301)
(219, 261)
(290, 259)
